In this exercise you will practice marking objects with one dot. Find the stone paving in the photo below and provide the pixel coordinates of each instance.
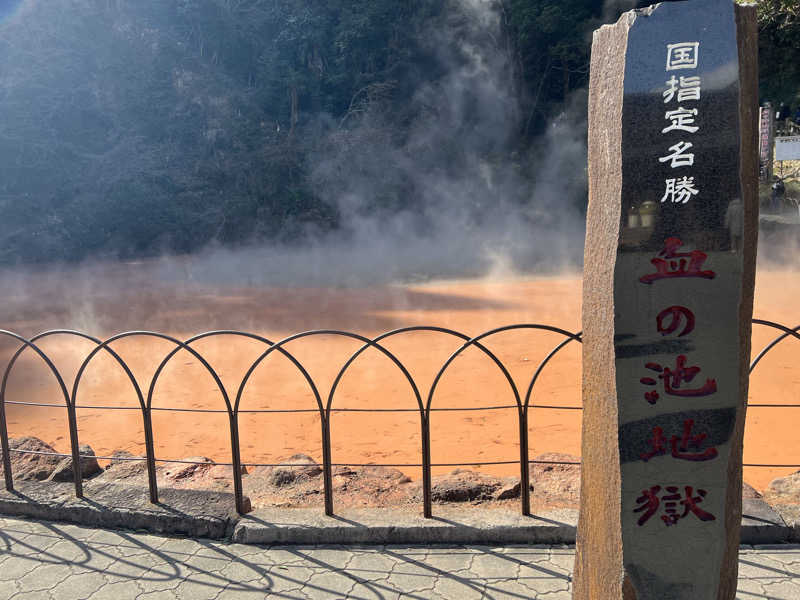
(52, 561)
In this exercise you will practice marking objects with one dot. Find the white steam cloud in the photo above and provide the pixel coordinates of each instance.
(437, 197)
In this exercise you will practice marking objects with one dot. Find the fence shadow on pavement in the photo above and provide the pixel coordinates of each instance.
(70, 561)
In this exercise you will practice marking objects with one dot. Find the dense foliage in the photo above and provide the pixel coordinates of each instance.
(132, 127)
(779, 51)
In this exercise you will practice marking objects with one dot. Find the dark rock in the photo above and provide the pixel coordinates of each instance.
(367, 480)
(197, 473)
(391, 476)
(297, 482)
(282, 477)
(367, 485)
(302, 463)
(88, 466)
(31, 467)
(120, 469)
(295, 468)
(556, 483)
(121, 457)
(179, 471)
(463, 486)
(749, 491)
(509, 489)
(784, 490)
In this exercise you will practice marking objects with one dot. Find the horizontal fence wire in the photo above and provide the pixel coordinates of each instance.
(292, 465)
(298, 410)
(324, 406)
(342, 410)
(360, 465)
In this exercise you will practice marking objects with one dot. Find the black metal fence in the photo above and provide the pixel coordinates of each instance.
(522, 402)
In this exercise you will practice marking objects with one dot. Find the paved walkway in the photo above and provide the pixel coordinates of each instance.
(65, 562)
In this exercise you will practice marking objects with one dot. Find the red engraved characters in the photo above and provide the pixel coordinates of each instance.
(681, 450)
(690, 505)
(673, 264)
(674, 378)
(680, 446)
(671, 506)
(676, 320)
(670, 319)
(649, 503)
(658, 445)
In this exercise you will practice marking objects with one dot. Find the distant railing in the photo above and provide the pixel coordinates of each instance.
(325, 408)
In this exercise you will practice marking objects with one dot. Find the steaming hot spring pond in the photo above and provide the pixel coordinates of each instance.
(105, 299)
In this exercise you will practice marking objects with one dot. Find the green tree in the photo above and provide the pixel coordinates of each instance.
(550, 41)
(779, 50)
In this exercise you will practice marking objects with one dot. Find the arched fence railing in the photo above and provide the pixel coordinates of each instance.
(324, 406)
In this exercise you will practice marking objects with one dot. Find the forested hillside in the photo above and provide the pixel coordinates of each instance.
(132, 127)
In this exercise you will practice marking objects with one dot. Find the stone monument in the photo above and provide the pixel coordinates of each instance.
(667, 303)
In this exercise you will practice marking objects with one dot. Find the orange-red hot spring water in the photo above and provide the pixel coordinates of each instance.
(118, 298)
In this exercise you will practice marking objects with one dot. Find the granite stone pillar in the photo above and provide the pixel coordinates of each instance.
(667, 301)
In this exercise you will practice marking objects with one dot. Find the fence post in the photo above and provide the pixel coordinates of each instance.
(327, 475)
(524, 473)
(5, 445)
(149, 449)
(76, 457)
(237, 463)
(427, 502)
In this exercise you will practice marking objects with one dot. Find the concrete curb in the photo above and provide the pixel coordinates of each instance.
(761, 524)
(188, 512)
(212, 515)
(386, 526)
(790, 513)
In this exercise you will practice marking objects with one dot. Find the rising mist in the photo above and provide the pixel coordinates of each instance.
(445, 189)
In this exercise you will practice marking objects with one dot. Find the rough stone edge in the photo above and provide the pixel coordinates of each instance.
(55, 502)
(124, 519)
(598, 561)
(387, 526)
(399, 535)
(789, 514)
(762, 524)
(747, 41)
